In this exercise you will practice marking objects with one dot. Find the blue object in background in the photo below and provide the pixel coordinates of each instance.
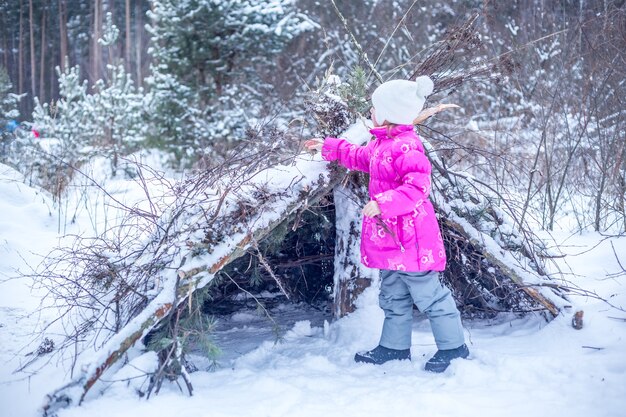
(11, 126)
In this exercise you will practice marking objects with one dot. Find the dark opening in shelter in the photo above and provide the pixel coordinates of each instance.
(295, 264)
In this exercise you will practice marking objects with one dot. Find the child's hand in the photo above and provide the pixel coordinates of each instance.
(371, 209)
(314, 144)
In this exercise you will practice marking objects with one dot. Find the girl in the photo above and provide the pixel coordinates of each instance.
(400, 234)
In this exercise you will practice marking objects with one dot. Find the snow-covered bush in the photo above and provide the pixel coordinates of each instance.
(80, 125)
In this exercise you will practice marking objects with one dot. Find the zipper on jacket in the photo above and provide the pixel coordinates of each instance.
(417, 248)
(400, 237)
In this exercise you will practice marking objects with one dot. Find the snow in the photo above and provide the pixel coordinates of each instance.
(517, 367)
(27, 227)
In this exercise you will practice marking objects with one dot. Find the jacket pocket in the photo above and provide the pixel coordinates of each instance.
(382, 234)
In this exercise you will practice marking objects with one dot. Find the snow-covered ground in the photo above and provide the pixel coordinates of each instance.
(518, 366)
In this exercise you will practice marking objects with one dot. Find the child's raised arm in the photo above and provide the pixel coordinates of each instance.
(348, 154)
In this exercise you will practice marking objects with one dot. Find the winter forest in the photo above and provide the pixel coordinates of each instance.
(169, 243)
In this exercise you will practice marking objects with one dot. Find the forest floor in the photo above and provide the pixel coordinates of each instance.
(302, 364)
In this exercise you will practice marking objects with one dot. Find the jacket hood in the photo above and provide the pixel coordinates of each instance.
(383, 132)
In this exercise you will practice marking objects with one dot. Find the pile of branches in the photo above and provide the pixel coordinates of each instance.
(495, 264)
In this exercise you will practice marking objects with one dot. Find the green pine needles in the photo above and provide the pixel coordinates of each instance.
(354, 92)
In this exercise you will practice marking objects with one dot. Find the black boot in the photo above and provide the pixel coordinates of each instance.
(381, 354)
(442, 358)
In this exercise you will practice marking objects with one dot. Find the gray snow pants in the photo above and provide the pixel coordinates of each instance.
(399, 290)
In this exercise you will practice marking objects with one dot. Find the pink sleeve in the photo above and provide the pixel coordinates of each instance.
(347, 154)
(414, 168)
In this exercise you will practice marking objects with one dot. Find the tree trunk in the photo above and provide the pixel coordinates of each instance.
(127, 49)
(351, 277)
(53, 91)
(63, 32)
(90, 49)
(115, 50)
(95, 63)
(33, 67)
(138, 33)
(20, 58)
(5, 46)
(42, 57)
(620, 175)
(598, 209)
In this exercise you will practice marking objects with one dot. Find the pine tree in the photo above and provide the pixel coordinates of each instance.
(64, 120)
(116, 106)
(201, 49)
(8, 111)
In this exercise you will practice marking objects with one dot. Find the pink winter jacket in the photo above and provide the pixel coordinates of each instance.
(406, 236)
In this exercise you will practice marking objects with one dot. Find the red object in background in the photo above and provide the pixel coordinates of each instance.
(36, 133)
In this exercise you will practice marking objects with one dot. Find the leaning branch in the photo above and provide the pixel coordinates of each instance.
(188, 280)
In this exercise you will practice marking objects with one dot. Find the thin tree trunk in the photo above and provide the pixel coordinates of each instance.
(42, 58)
(95, 64)
(127, 49)
(6, 55)
(580, 29)
(114, 51)
(63, 32)
(33, 66)
(5, 47)
(20, 58)
(97, 35)
(598, 211)
(138, 33)
(52, 85)
(533, 170)
(90, 49)
(602, 165)
(621, 182)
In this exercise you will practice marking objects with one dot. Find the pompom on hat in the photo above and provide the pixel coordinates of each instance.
(401, 101)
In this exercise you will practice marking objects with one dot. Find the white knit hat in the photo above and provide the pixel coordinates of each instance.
(401, 101)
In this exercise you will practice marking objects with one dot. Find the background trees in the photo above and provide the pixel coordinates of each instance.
(36, 35)
(206, 57)
(201, 77)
